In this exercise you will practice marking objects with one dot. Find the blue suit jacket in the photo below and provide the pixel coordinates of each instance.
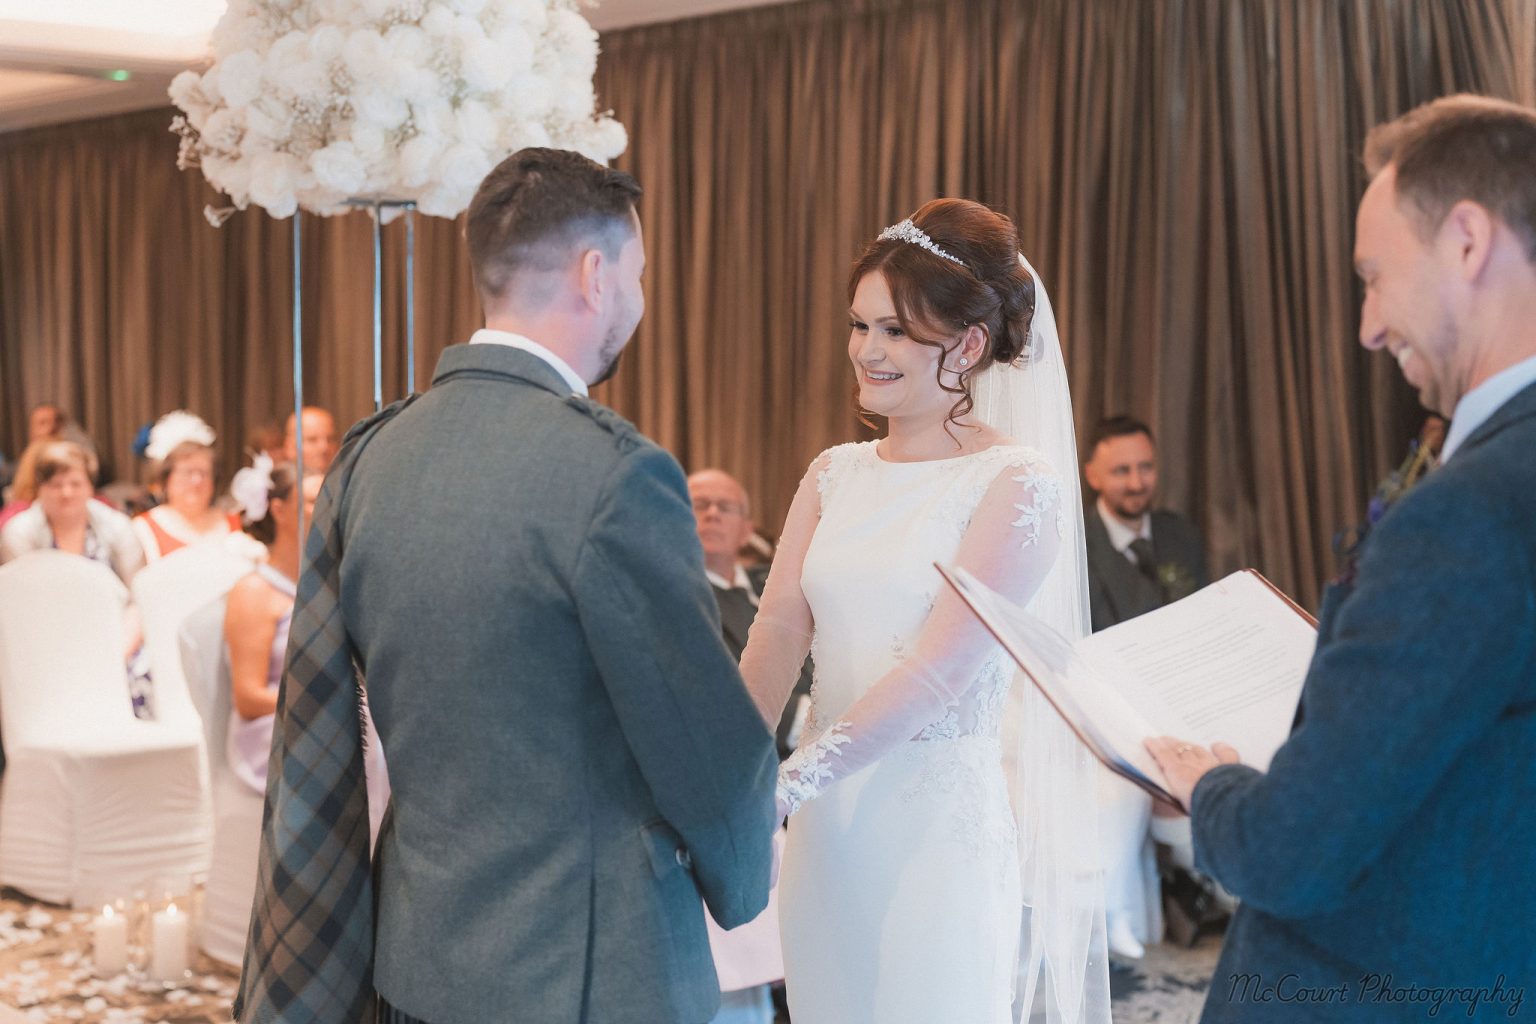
(1390, 849)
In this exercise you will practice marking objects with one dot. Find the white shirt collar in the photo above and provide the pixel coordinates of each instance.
(1479, 404)
(742, 581)
(486, 336)
(1120, 535)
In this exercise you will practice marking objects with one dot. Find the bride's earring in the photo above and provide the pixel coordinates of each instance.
(964, 361)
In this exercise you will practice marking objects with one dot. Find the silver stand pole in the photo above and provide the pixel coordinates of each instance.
(378, 308)
(410, 298)
(298, 370)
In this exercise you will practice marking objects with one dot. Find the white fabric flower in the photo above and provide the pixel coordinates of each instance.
(175, 428)
(338, 168)
(186, 91)
(476, 125)
(486, 66)
(252, 487)
(417, 159)
(380, 109)
(463, 166)
(240, 78)
(272, 182)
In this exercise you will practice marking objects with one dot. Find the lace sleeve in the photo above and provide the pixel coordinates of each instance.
(1011, 544)
(780, 636)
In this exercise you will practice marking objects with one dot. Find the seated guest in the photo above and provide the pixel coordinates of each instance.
(181, 445)
(48, 422)
(724, 516)
(748, 959)
(65, 518)
(1139, 559)
(260, 609)
(267, 439)
(23, 489)
(319, 440)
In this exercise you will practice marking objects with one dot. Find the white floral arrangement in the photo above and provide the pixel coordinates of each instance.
(309, 103)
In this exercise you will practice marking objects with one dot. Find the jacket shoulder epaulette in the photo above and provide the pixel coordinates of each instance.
(624, 433)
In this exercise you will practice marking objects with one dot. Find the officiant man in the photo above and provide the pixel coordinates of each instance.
(574, 758)
(1388, 851)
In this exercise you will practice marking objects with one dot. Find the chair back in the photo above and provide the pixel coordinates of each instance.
(168, 591)
(205, 666)
(61, 650)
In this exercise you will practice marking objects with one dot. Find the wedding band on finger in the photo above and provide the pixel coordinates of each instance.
(1184, 748)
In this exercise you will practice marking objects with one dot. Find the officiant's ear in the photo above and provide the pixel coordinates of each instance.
(1471, 230)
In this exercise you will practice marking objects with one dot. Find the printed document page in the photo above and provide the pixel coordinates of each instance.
(1225, 663)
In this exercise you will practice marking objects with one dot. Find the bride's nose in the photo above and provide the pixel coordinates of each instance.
(869, 351)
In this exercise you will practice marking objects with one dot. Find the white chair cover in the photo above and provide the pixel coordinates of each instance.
(92, 798)
(166, 592)
(236, 809)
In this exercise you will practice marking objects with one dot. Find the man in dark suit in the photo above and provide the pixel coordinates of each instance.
(724, 514)
(1385, 859)
(574, 758)
(1139, 558)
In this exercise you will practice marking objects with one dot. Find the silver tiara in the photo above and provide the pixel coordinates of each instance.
(906, 231)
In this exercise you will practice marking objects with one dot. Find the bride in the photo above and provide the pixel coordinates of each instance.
(921, 884)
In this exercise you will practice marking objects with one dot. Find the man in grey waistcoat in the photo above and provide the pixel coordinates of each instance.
(1140, 558)
(574, 759)
(724, 513)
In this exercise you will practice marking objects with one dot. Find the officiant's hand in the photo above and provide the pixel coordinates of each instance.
(1183, 763)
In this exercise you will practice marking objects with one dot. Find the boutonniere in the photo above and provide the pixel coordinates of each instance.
(1421, 460)
(1175, 580)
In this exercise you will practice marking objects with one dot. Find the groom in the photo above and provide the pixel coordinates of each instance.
(1384, 862)
(574, 759)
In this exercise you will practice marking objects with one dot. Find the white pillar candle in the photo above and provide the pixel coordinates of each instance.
(169, 939)
(110, 942)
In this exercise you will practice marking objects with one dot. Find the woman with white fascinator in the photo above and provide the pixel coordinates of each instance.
(940, 863)
(181, 446)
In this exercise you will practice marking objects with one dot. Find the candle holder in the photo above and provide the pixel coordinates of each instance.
(110, 926)
(169, 931)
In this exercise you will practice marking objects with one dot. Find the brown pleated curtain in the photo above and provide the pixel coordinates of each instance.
(1184, 174)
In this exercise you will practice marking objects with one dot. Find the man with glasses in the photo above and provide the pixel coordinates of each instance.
(724, 514)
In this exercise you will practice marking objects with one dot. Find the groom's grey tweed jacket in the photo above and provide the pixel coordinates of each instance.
(573, 757)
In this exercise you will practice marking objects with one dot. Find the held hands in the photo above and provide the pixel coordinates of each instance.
(1184, 763)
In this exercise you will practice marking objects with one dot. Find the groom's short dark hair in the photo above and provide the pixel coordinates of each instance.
(1462, 147)
(538, 206)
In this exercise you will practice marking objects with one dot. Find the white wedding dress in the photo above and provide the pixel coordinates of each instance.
(900, 891)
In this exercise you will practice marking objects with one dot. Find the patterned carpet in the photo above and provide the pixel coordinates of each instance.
(1167, 986)
(46, 975)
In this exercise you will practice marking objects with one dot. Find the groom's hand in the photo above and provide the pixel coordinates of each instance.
(1183, 763)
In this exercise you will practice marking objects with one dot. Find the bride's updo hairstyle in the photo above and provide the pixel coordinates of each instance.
(937, 297)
